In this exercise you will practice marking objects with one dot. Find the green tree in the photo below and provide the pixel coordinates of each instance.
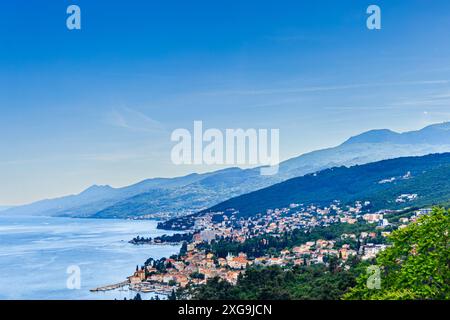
(137, 296)
(172, 296)
(183, 249)
(416, 266)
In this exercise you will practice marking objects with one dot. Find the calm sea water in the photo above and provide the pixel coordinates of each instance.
(35, 253)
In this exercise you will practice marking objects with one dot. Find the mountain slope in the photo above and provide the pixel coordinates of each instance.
(437, 134)
(427, 176)
(97, 198)
(195, 192)
(219, 185)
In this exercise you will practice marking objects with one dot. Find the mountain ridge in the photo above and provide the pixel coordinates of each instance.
(411, 167)
(387, 184)
(194, 192)
(432, 134)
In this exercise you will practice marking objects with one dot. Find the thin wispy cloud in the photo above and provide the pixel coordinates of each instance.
(325, 88)
(111, 157)
(445, 95)
(134, 120)
(353, 108)
(428, 100)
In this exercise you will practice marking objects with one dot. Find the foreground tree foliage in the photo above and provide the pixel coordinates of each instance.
(416, 266)
(274, 283)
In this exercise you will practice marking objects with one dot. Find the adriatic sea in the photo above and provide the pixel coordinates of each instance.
(37, 252)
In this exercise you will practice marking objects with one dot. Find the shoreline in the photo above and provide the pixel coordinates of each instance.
(98, 246)
(141, 287)
(111, 287)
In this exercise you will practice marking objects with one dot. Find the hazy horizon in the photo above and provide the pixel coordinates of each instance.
(207, 169)
(98, 105)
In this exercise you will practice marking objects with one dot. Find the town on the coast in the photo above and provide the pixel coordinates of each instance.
(224, 245)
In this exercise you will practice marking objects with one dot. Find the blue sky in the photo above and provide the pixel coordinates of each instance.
(97, 105)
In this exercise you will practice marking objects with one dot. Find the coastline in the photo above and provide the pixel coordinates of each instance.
(47, 246)
(141, 287)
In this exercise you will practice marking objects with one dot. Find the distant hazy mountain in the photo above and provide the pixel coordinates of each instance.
(195, 192)
(437, 134)
(97, 198)
(381, 183)
(425, 179)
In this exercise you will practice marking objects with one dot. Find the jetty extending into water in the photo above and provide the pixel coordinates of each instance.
(157, 288)
(144, 287)
(111, 286)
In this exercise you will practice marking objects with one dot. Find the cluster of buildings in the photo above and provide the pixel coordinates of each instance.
(406, 198)
(276, 221)
(406, 176)
(196, 266)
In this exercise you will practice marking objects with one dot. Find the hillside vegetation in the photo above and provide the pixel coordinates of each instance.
(426, 176)
(416, 266)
